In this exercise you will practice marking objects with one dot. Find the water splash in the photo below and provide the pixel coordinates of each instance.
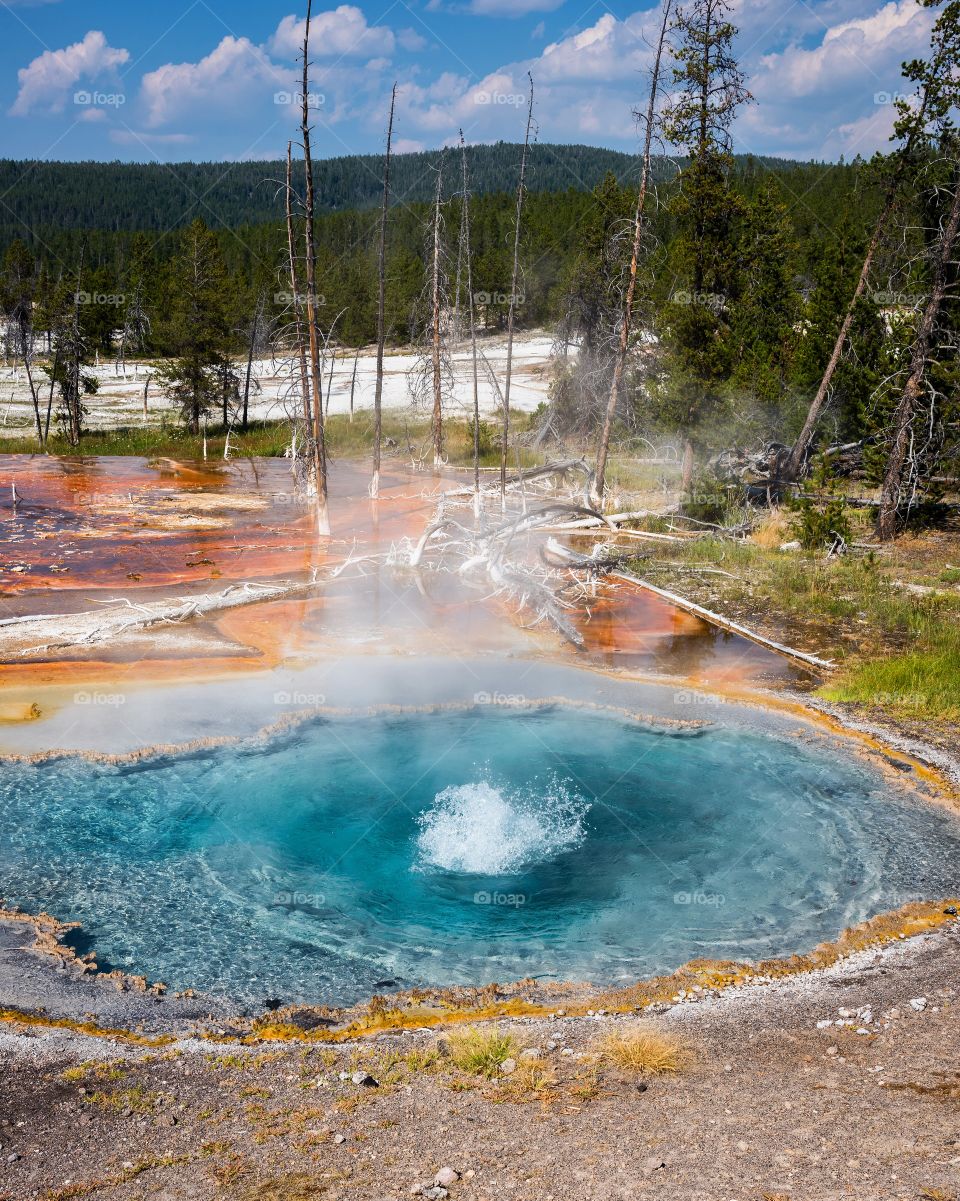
(480, 829)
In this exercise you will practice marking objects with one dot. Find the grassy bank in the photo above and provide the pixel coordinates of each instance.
(405, 438)
(890, 620)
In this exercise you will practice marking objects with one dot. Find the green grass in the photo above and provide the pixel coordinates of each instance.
(270, 439)
(901, 652)
(481, 1052)
(922, 684)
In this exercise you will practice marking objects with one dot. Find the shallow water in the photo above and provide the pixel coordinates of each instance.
(357, 854)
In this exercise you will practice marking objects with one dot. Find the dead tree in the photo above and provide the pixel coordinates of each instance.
(620, 361)
(381, 307)
(933, 76)
(255, 334)
(435, 320)
(897, 468)
(300, 340)
(467, 256)
(323, 517)
(512, 310)
(353, 381)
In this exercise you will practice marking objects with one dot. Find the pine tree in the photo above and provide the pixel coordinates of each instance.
(706, 209)
(196, 330)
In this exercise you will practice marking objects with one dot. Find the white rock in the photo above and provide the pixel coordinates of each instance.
(446, 1176)
(918, 1003)
(508, 1067)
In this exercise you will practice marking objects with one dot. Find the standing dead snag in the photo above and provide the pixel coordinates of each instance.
(437, 424)
(512, 310)
(893, 480)
(620, 361)
(381, 307)
(301, 347)
(466, 254)
(323, 517)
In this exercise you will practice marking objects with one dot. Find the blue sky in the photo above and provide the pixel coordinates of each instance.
(205, 79)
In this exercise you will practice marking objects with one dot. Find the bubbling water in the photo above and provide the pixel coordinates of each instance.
(480, 829)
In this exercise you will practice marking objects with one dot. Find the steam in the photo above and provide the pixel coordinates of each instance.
(480, 829)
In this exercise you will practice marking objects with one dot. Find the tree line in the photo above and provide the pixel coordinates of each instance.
(726, 300)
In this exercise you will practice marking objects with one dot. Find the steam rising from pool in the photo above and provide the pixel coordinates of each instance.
(481, 829)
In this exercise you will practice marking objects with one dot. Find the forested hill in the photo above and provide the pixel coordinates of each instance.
(118, 196)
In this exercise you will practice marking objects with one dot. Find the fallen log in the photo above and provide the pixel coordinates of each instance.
(724, 623)
(688, 606)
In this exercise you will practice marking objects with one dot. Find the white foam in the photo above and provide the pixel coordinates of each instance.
(479, 829)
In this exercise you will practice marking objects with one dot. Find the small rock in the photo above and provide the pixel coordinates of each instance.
(435, 1193)
(508, 1067)
(651, 1165)
(167, 1119)
(12, 1158)
(918, 1003)
(365, 1079)
(530, 1053)
(642, 1086)
(551, 1045)
(446, 1176)
(833, 1050)
(339, 1138)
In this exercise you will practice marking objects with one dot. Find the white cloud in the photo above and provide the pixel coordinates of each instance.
(231, 78)
(512, 8)
(342, 32)
(410, 40)
(832, 97)
(46, 84)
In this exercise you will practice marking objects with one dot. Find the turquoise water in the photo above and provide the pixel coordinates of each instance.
(359, 854)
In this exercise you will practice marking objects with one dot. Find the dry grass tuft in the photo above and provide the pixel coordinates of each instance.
(530, 1080)
(644, 1050)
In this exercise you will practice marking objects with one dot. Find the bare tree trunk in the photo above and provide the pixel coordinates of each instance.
(381, 307)
(686, 477)
(73, 397)
(892, 491)
(620, 362)
(26, 350)
(353, 382)
(333, 363)
(796, 463)
(146, 393)
(298, 326)
(319, 448)
(511, 312)
(473, 328)
(437, 424)
(254, 332)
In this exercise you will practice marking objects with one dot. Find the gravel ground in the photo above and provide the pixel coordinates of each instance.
(770, 1106)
